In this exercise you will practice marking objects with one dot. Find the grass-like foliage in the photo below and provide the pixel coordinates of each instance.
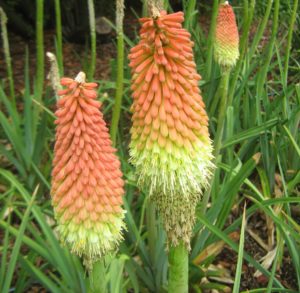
(256, 177)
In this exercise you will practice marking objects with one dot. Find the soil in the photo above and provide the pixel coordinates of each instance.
(228, 258)
(73, 56)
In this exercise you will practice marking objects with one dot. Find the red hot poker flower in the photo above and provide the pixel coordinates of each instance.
(87, 185)
(227, 37)
(170, 145)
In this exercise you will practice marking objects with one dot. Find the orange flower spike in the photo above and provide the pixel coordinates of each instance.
(226, 47)
(170, 144)
(87, 185)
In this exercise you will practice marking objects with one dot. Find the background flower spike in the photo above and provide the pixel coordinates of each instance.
(170, 144)
(226, 46)
(87, 185)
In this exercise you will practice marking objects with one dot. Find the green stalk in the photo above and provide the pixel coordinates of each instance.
(7, 55)
(39, 48)
(151, 228)
(145, 8)
(178, 269)
(210, 40)
(59, 52)
(119, 89)
(215, 102)
(287, 54)
(120, 71)
(219, 133)
(222, 112)
(97, 282)
(190, 7)
(93, 39)
(248, 16)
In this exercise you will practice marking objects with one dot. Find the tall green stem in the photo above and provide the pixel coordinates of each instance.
(7, 54)
(120, 74)
(145, 8)
(190, 17)
(222, 112)
(151, 228)
(219, 134)
(119, 90)
(39, 48)
(178, 269)
(248, 16)
(93, 39)
(59, 53)
(97, 282)
(210, 40)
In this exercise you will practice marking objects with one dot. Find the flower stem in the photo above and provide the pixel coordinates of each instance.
(178, 269)
(210, 40)
(58, 26)
(97, 283)
(222, 112)
(120, 71)
(248, 16)
(152, 230)
(39, 48)
(119, 89)
(219, 134)
(93, 39)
